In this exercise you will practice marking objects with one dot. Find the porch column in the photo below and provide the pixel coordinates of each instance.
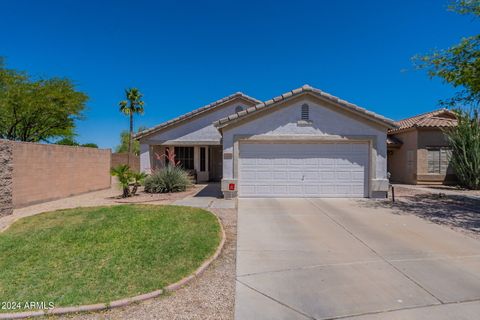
(145, 158)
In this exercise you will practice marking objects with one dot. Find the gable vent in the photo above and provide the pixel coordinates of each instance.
(305, 112)
(238, 109)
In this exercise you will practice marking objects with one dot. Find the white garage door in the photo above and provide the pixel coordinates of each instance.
(303, 169)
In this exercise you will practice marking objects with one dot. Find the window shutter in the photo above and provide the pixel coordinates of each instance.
(445, 155)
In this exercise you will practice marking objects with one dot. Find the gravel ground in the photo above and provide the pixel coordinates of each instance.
(457, 210)
(210, 296)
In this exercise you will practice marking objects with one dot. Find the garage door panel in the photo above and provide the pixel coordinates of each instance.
(280, 161)
(303, 169)
(296, 176)
(358, 176)
(248, 174)
(295, 189)
(280, 189)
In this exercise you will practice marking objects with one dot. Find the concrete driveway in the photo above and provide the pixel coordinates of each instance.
(350, 259)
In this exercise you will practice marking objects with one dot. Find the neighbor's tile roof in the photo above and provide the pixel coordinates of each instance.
(436, 118)
(306, 88)
(194, 113)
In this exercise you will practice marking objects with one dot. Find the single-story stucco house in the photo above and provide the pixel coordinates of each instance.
(418, 151)
(304, 143)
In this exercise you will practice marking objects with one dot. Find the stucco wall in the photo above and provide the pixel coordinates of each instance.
(431, 138)
(327, 120)
(6, 178)
(199, 129)
(415, 142)
(46, 172)
(122, 158)
(403, 161)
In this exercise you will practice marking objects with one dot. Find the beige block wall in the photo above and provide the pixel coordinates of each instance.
(122, 158)
(46, 172)
(398, 166)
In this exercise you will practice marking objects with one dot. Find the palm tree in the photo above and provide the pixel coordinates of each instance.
(124, 178)
(133, 105)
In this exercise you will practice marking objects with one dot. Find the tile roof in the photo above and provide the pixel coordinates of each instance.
(436, 118)
(306, 88)
(194, 113)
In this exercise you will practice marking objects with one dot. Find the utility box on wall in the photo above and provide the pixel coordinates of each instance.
(229, 188)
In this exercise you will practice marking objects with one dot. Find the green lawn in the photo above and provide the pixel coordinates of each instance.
(92, 255)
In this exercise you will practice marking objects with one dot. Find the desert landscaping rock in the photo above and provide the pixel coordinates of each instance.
(6, 178)
(453, 208)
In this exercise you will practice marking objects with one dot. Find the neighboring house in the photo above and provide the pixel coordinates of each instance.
(304, 143)
(418, 151)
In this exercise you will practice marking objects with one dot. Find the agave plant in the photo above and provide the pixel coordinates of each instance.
(168, 179)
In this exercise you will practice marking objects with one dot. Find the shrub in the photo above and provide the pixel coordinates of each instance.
(124, 177)
(128, 178)
(465, 142)
(169, 179)
(138, 179)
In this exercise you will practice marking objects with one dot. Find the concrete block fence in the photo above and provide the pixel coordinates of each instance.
(33, 173)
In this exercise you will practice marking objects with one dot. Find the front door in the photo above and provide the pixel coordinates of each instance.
(215, 163)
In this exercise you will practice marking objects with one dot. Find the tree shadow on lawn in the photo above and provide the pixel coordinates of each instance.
(451, 210)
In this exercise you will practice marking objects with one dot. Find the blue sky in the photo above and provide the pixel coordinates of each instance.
(185, 54)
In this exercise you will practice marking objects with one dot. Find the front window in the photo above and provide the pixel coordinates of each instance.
(184, 155)
(202, 159)
(438, 159)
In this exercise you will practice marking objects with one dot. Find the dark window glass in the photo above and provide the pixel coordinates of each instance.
(184, 155)
(202, 159)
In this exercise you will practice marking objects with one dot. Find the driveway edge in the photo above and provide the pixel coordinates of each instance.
(126, 301)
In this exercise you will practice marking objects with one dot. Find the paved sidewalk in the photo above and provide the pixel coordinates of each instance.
(346, 258)
(91, 199)
(209, 197)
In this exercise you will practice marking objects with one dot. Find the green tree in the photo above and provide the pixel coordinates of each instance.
(67, 142)
(459, 66)
(124, 140)
(90, 145)
(131, 106)
(464, 140)
(37, 110)
(71, 142)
